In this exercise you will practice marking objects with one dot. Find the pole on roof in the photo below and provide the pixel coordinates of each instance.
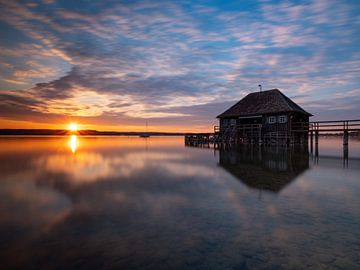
(260, 87)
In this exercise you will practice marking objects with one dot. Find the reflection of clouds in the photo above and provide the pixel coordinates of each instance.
(178, 169)
(25, 204)
(83, 167)
(173, 209)
(92, 166)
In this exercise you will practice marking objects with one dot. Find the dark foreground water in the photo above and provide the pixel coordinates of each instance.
(132, 203)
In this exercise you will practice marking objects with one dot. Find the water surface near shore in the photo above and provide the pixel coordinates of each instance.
(135, 203)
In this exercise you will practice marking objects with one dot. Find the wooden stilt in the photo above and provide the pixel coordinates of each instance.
(346, 137)
(316, 144)
(346, 156)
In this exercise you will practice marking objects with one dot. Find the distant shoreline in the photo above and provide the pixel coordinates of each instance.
(62, 132)
(89, 132)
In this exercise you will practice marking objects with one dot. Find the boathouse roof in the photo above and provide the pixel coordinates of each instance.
(265, 102)
(257, 177)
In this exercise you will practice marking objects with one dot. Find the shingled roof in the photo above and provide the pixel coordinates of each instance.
(265, 102)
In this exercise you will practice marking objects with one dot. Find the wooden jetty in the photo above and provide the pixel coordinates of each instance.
(337, 126)
(312, 129)
(270, 118)
(343, 127)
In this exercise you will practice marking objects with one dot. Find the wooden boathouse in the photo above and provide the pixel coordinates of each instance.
(267, 117)
(271, 118)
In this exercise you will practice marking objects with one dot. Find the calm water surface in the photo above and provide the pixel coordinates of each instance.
(133, 203)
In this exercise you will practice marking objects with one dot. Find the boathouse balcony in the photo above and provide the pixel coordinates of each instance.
(257, 133)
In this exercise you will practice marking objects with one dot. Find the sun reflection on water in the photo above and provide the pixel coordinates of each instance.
(73, 143)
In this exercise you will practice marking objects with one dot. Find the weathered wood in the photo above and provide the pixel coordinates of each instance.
(346, 156)
(343, 126)
(253, 134)
(317, 150)
(346, 138)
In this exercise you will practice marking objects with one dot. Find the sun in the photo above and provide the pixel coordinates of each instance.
(73, 127)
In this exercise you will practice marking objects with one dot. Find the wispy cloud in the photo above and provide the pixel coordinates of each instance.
(166, 60)
(13, 81)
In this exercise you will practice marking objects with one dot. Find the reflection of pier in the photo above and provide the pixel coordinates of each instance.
(264, 168)
(199, 139)
(330, 161)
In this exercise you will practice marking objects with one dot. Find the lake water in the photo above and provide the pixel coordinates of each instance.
(134, 203)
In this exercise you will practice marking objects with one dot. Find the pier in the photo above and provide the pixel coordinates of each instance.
(343, 127)
(313, 129)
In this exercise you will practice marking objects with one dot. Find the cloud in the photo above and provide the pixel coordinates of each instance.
(14, 81)
(165, 60)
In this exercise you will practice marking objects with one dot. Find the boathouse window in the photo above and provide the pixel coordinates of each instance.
(232, 122)
(271, 119)
(282, 119)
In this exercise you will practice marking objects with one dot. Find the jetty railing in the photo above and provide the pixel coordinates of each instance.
(333, 127)
(300, 126)
(242, 133)
(337, 126)
(308, 131)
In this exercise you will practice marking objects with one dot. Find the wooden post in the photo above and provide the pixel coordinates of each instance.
(346, 133)
(316, 144)
(346, 137)
(311, 142)
(346, 156)
(260, 139)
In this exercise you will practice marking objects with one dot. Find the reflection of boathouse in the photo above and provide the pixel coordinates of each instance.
(264, 168)
(267, 116)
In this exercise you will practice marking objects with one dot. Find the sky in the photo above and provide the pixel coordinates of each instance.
(176, 65)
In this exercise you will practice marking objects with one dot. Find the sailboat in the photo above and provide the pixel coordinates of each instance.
(145, 134)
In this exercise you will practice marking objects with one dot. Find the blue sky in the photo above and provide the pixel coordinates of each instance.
(175, 64)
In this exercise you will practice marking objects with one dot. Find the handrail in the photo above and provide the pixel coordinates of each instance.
(336, 121)
(341, 125)
(332, 126)
(350, 125)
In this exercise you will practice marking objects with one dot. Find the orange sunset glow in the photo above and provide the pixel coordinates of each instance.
(73, 127)
(173, 66)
